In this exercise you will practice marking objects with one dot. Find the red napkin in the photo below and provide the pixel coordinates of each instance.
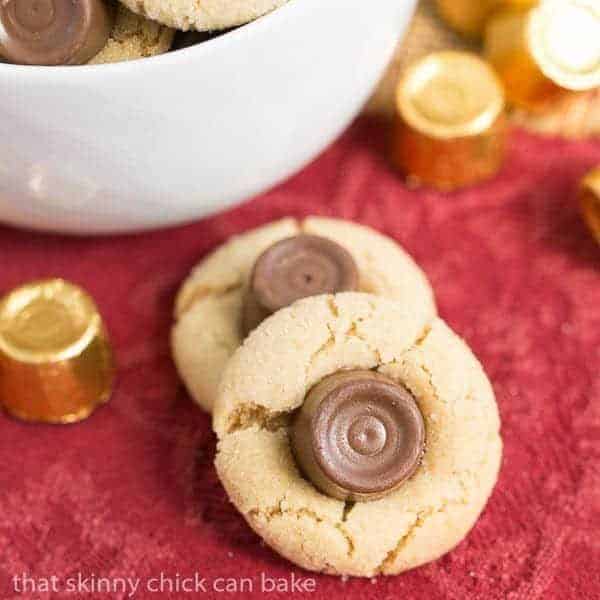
(132, 492)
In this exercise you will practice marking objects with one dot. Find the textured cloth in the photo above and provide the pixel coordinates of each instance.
(132, 491)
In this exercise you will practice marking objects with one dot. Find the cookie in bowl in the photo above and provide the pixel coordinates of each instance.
(66, 32)
(357, 438)
(132, 37)
(255, 274)
(208, 15)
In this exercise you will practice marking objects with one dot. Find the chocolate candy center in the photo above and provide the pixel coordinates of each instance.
(53, 32)
(358, 435)
(367, 435)
(36, 15)
(294, 268)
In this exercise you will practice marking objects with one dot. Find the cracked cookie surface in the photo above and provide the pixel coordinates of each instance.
(269, 377)
(209, 305)
(203, 15)
(132, 37)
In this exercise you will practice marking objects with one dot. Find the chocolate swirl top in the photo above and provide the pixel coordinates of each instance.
(358, 435)
(53, 32)
(294, 268)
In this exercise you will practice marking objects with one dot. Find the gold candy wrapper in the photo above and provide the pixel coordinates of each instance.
(546, 54)
(450, 129)
(56, 364)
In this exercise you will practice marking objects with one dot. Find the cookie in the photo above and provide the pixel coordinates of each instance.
(263, 398)
(208, 15)
(132, 37)
(212, 306)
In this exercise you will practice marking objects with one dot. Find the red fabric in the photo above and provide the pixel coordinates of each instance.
(132, 491)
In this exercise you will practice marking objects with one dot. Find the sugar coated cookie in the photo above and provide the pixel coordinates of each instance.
(256, 273)
(132, 37)
(208, 15)
(355, 436)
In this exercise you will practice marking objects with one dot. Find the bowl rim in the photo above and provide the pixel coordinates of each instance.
(259, 24)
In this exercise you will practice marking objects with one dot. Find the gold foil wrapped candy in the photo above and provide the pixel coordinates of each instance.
(466, 16)
(451, 127)
(55, 361)
(469, 17)
(547, 53)
(589, 197)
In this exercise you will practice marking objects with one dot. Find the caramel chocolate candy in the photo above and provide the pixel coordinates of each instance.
(451, 128)
(55, 360)
(53, 32)
(546, 54)
(358, 436)
(589, 198)
(294, 268)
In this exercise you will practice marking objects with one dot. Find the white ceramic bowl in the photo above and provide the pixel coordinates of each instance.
(163, 140)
